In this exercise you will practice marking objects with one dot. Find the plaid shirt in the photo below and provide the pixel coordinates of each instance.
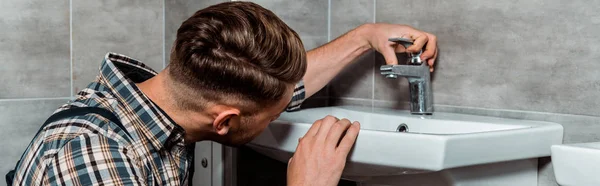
(91, 150)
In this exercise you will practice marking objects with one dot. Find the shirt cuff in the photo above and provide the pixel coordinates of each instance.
(297, 98)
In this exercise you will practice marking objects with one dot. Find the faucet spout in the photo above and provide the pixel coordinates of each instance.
(414, 71)
(419, 79)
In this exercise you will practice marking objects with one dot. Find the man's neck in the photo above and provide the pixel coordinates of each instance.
(196, 125)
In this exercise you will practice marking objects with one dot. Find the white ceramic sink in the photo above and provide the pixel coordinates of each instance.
(432, 143)
(576, 164)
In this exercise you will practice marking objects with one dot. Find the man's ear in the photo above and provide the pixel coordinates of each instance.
(225, 119)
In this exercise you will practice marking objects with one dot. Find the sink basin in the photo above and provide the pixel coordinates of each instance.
(576, 164)
(430, 143)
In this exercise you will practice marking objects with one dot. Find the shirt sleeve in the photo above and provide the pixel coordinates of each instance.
(93, 160)
(297, 98)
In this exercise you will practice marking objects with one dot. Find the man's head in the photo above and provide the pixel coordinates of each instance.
(239, 61)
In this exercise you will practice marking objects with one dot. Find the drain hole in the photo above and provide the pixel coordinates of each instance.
(402, 128)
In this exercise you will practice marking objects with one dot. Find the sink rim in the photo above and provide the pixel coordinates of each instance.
(443, 151)
(436, 117)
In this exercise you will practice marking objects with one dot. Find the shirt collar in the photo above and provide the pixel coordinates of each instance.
(120, 74)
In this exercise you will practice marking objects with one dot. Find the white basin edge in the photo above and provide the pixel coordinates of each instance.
(531, 139)
(552, 131)
(546, 136)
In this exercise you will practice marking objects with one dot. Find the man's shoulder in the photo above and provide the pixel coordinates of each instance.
(86, 122)
(71, 137)
(86, 153)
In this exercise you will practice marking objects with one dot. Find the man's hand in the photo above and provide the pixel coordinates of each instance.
(319, 159)
(377, 36)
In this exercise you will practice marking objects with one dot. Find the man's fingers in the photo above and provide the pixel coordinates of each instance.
(348, 139)
(336, 132)
(326, 124)
(418, 43)
(430, 48)
(389, 54)
(399, 49)
(431, 61)
(314, 128)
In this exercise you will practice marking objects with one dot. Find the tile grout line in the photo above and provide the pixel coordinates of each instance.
(328, 20)
(374, 11)
(477, 108)
(71, 90)
(374, 59)
(164, 42)
(212, 166)
(509, 110)
(327, 87)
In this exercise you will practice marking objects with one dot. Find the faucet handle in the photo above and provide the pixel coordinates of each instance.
(415, 58)
(403, 41)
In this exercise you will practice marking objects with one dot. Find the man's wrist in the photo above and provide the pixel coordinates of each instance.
(363, 33)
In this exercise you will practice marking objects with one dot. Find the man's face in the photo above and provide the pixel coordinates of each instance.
(251, 126)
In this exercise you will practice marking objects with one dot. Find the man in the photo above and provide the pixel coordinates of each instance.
(234, 68)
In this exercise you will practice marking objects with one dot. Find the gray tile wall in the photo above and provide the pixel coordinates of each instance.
(307, 17)
(51, 49)
(34, 49)
(134, 28)
(356, 81)
(35, 73)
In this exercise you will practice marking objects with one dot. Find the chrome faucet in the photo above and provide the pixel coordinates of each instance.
(419, 79)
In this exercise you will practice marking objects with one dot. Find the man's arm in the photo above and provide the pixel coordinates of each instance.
(325, 62)
(93, 160)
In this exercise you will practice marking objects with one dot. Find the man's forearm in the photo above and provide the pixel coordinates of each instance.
(325, 62)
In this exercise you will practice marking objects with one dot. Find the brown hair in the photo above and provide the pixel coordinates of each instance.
(239, 50)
